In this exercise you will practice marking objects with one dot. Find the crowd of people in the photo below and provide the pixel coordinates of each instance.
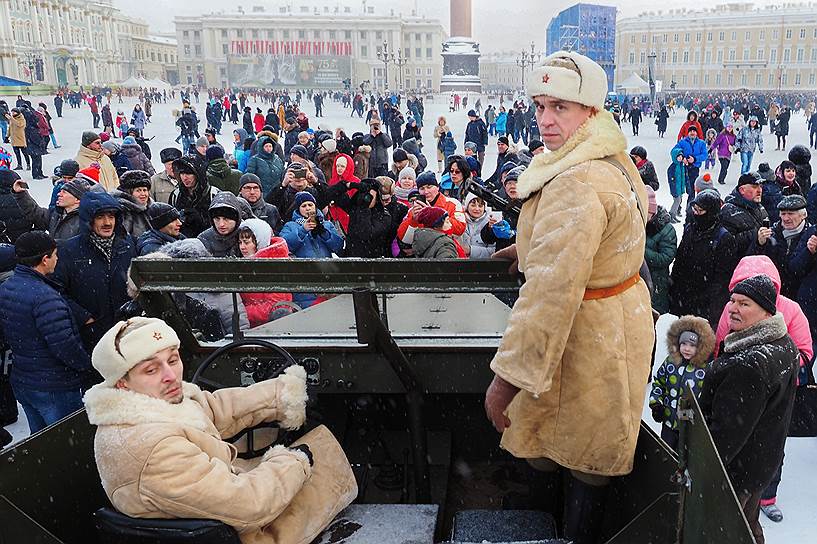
(287, 186)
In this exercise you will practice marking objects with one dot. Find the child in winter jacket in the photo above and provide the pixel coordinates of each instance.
(711, 153)
(477, 219)
(430, 240)
(690, 342)
(677, 178)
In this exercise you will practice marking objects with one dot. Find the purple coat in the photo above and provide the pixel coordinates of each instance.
(721, 144)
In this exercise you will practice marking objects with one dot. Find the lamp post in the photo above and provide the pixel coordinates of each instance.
(525, 59)
(651, 75)
(400, 62)
(386, 56)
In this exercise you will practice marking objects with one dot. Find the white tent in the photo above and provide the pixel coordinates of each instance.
(131, 83)
(634, 84)
(157, 84)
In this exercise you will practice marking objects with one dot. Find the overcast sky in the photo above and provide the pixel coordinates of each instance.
(498, 24)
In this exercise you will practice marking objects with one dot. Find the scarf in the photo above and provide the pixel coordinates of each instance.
(790, 234)
(104, 245)
(402, 194)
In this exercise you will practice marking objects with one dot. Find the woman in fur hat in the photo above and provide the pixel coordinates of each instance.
(690, 342)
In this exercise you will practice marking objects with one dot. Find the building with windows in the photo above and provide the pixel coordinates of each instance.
(589, 29)
(727, 47)
(500, 72)
(69, 42)
(309, 47)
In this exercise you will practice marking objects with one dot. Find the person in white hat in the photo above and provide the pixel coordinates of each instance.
(161, 453)
(572, 367)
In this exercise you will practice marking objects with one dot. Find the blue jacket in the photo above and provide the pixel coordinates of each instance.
(676, 173)
(152, 240)
(501, 121)
(695, 149)
(37, 323)
(96, 288)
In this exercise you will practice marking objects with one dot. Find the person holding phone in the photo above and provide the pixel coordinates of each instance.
(429, 189)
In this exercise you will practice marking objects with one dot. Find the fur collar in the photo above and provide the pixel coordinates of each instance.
(706, 339)
(109, 406)
(763, 332)
(597, 138)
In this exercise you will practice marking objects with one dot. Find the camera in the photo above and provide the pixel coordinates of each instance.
(363, 198)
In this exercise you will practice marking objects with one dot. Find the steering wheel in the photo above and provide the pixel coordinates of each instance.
(289, 360)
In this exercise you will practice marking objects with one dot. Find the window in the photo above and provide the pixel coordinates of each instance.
(286, 34)
(223, 33)
(347, 34)
(773, 56)
(643, 38)
(734, 36)
(730, 79)
(429, 53)
(800, 54)
(811, 78)
(632, 38)
(814, 54)
(196, 34)
(709, 36)
(788, 34)
(632, 57)
(797, 78)
(675, 38)
(771, 80)
(187, 51)
(762, 35)
(643, 58)
(744, 79)
(708, 57)
(686, 57)
(316, 34)
(746, 53)
(675, 57)
(665, 38)
(697, 57)
(418, 72)
(747, 36)
(255, 34)
(695, 80)
(186, 34)
(663, 57)
(721, 35)
(720, 56)
(787, 55)
(706, 79)
(429, 71)
(761, 53)
(333, 34)
(783, 79)
(407, 54)
(418, 52)
(697, 37)
(224, 48)
(775, 34)
(302, 34)
(815, 36)
(686, 37)
(198, 50)
(239, 33)
(731, 54)
(758, 80)
(684, 79)
(363, 34)
(802, 33)
(378, 35)
(364, 51)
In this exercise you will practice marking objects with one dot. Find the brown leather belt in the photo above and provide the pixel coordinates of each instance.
(607, 292)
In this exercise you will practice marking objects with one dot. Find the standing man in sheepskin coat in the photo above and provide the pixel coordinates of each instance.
(572, 367)
(161, 452)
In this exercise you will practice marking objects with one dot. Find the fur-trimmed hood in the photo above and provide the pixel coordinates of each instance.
(763, 332)
(706, 339)
(597, 138)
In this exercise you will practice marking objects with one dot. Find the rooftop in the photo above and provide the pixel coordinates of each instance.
(741, 9)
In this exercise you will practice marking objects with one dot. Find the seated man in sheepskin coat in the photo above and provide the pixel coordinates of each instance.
(160, 451)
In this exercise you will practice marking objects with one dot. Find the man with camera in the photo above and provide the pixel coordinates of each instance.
(381, 143)
(161, 452)
(369, 221)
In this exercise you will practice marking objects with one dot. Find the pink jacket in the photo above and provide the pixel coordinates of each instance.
(796, 321)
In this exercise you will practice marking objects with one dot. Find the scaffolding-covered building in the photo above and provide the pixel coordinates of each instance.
(589, 29)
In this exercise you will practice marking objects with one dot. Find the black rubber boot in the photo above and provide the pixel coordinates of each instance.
(584, 511)
(547, 492)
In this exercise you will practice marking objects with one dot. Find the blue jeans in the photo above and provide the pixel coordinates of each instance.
(746, 161)
(4, 128)
(43, 408)
(187, 141)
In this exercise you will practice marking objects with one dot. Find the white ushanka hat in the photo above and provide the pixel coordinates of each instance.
(146, 337)
(588, 87)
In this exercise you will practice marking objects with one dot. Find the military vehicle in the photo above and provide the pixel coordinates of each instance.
(397, 361)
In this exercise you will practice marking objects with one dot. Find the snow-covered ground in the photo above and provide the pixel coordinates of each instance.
(798, 490)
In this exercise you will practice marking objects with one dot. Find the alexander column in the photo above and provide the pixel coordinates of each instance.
(460, 52)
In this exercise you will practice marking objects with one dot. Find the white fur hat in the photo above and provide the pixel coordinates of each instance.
(588, 87)
(146, 337)
(260, 229)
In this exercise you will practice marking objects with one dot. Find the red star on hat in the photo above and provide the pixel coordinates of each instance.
(545, 78)
(157, 335)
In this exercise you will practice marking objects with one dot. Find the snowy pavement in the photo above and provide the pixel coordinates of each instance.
(798, 490)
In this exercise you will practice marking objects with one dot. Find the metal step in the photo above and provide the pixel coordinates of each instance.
(497, 526)
(382, 524)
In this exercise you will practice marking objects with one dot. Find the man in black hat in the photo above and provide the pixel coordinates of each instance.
(743, 214)
(251, 191)
(780, 241)
(192, 196)
(62, 221)
(162, 184)
(165, 228)
(16, 221)
(477, 132)
(748, 393)
(51, 366)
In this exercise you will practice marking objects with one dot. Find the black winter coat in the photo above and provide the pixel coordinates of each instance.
(97, 287)
(152, 240)
(704, 264)
(397, 212)
(477, 132)
(648, 175)
(659, 252)
(60, 226)
(747, 399)
(368, 227)
(742, 218)
(780, 252)
(16, 221)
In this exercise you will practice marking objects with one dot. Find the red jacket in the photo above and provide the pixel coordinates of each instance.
(260, 305)
(339, 214)
(405, 232)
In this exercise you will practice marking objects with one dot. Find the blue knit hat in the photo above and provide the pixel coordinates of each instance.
(427, 178)
(304, 196)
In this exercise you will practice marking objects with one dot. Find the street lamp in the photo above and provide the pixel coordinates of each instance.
(386, 56)
(400, 62)
(526, 59)
(651, 74)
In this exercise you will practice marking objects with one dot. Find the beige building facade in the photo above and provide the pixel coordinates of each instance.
(731, 46)
(500, 72)
(309, 47)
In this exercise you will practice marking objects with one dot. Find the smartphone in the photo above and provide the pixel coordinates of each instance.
(497, 216)
(421, 198)
(299, 174)
(766, 222)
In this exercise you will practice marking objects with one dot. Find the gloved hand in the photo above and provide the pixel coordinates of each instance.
(658, 413)
(319, 229)
(306, 451)
(502, 230)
